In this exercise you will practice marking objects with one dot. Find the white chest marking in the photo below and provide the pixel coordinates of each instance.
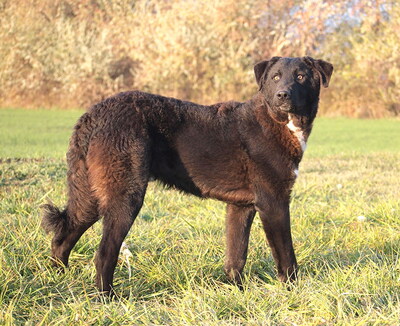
(298, 133)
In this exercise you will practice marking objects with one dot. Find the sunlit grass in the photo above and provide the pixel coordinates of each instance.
(349, 267)
(35, 133)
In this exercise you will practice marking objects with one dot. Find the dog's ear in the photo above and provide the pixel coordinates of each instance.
(261, 70)
(323, 68)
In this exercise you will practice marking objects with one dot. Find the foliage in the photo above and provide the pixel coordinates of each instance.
(72, 54)
(368, 83)
(172, 272)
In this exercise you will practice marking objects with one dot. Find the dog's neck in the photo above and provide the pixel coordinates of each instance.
(298, 127)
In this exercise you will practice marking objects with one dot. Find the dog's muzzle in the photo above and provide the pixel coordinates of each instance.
(283, 100)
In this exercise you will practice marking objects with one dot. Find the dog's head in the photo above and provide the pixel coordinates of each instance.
(292, 85)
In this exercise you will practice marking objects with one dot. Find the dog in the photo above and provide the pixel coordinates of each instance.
(244, 154)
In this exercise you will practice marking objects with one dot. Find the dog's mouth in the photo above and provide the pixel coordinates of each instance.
(286, 107)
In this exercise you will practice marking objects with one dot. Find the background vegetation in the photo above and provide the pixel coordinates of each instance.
(346, 227)
(72, 53)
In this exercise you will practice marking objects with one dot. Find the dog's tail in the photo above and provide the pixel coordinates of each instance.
(54, 220)
(80, 202)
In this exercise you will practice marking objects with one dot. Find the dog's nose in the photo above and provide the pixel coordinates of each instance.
(283, 95)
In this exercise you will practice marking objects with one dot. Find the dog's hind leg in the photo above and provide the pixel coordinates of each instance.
(119, 180)
(119, 215)
(238, 224)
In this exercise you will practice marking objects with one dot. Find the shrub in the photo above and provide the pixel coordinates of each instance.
(71, 54)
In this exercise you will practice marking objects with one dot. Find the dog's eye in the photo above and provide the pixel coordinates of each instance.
(276, 77)
(300, 77)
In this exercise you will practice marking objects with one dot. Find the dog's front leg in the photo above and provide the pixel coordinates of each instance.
(238, 224)
(275, 217)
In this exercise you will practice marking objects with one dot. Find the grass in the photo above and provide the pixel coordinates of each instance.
(35, 133)
(341, 135)
(172, 273)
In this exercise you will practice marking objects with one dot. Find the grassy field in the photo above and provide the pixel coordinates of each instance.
(346, 228)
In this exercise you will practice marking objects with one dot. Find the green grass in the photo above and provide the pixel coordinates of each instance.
(35, 133)
(350, 269)
(341, 135)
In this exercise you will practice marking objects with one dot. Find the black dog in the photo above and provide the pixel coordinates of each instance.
(245, 154)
